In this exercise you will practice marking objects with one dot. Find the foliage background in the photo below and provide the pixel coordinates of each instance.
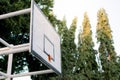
(78, 60)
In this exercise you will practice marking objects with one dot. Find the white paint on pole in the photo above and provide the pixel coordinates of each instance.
(3, 74)
(9, 66)
(25, 74)
(2, 77)
(16, 13)
(32, 73)
(14, 49)
(45, 41)
(5, 43)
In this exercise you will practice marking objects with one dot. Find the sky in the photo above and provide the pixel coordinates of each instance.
(72, 8)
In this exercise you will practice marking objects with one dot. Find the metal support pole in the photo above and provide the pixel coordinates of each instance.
(32, 73)
(4, 42)
(14, 49)
(3, 74)
(16, 13)
(9, 66)
(29, 74)
(2, 77)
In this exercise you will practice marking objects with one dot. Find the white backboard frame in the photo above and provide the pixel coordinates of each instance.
(44, 40)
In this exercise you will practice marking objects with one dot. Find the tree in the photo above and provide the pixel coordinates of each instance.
(72, 47)
(68, 47)
(86, 66)
(106, 48)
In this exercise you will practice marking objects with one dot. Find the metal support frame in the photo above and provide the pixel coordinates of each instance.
(11, 49)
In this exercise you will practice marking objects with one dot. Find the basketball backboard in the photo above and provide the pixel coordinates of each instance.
(44, 40)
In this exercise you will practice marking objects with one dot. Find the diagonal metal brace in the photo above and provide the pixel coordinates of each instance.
(5, 43)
